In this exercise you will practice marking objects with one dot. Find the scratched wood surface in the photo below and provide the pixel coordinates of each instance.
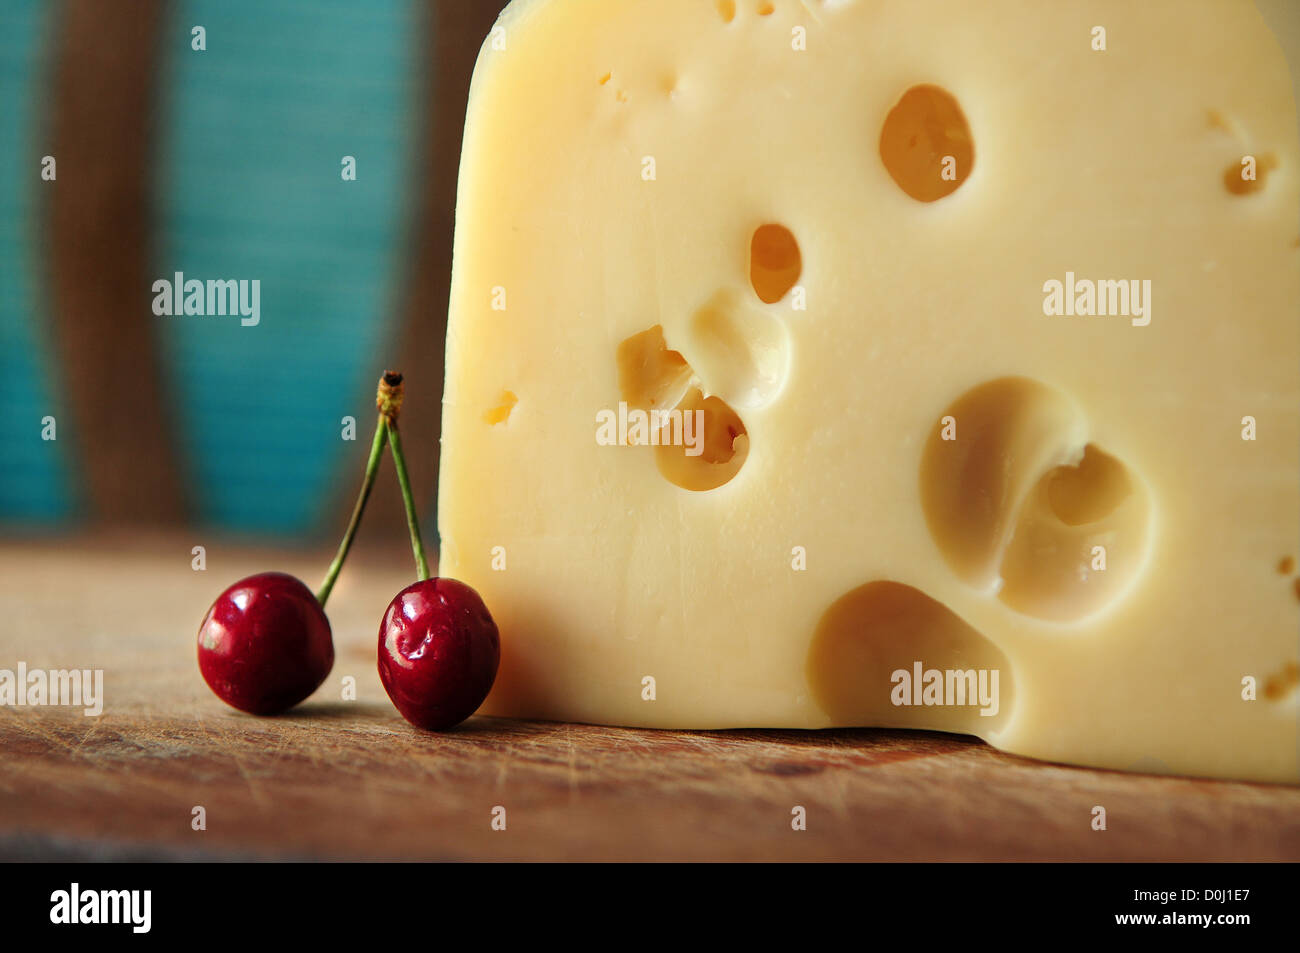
(341, 780)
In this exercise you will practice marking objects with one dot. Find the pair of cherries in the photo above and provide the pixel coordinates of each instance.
(265, 644)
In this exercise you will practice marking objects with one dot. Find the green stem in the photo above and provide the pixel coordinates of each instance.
(412, 521)
(372, 468)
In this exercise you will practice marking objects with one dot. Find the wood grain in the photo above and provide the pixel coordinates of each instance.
(338, 779)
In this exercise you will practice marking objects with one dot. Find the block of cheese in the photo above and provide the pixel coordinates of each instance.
(869, 362)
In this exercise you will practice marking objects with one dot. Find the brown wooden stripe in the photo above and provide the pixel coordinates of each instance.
(454, 31)
(101, 124)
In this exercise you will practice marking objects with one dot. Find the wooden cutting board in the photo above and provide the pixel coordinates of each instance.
(350, 779)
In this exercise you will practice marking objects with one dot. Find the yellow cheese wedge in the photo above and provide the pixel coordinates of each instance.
(932, 365)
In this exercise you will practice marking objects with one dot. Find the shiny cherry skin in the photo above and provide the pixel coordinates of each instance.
(438, 653)
(265, 644)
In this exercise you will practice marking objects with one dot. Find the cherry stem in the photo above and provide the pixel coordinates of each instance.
(389, 402)
(372, 469)
(412, 521)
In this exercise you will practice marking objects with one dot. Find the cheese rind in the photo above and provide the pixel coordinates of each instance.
(619, 159)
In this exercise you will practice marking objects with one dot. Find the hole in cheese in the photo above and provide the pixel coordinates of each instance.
(1233, 179)
(1007, 433)
(883, 628)
(725, 446)
(765, 9)
(926, 144)
(501, 412)
(1088, 491)
(727, 10)
(1281, 684)
(1022, 505)
(775, 262)
(653, 377)
(650, 376)
(1080, 542)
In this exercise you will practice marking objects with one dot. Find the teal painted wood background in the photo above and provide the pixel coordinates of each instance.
(251, 134)
(36, 487)
(254, 130)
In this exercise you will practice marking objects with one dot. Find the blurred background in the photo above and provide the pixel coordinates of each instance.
(223, 163)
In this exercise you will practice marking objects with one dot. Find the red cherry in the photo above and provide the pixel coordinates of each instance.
(265, 644)
(438, 652)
